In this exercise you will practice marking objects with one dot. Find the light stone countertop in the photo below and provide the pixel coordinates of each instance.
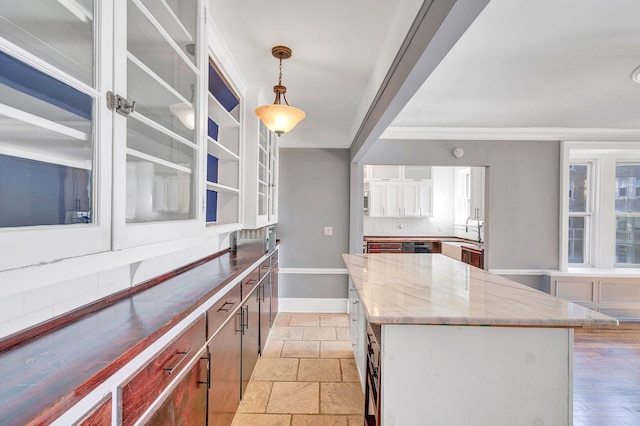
(434, 289)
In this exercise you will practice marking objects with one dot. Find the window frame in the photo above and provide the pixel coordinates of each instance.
(604, 155)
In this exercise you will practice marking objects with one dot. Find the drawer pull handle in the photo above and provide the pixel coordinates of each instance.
(249, 281)
(226, 307)
(184, 356)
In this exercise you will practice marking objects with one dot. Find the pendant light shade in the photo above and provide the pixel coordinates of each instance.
(279, 117)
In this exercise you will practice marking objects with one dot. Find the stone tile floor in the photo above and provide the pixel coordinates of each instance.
(306, 376)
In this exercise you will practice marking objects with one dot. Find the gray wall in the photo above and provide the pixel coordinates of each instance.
(314, 193)
(522, 200)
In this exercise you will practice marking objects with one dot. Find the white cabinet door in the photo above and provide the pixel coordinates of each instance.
(425, 198)
(410, 199)
(476, 193)
(55, 165)
(393, 199)
(158, 58)
(376, 199)
(357, 332)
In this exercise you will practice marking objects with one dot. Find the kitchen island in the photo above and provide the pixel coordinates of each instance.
(459, 345)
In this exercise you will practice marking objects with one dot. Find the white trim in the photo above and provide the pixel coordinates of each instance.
(511, 134)
(313, 271)
(322, 305)
(539, 272)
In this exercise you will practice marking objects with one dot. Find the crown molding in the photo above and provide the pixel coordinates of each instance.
(510, 133)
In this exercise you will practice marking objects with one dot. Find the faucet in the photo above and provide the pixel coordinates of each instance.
(479, 227)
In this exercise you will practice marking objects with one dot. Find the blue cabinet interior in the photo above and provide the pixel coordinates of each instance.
(212, 129)
(221, 91)
(212, 168)
(212, 206)
(36, 193)
(20, 76)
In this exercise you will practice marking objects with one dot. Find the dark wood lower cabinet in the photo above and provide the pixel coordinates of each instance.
(186, 403)
(274, 291)
(250, 317)
(100, 415)
(264, 295)
(472, 257)
(225, 352)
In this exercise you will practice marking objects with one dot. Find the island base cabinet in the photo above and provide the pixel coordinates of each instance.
(476, 375)
(224, 393)
(186, 403)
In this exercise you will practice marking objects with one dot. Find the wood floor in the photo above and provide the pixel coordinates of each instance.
(315, 353)
(606, 365)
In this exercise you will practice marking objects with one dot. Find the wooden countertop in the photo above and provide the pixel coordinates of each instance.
(45, 376)
(434, 289)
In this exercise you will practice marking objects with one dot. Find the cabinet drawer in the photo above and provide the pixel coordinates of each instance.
(249, 282)
(148, 383)
(385, 248)
(222, 309)
(274, 258)
(264, 267)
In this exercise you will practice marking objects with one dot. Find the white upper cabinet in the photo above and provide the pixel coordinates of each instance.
(261, 185)
(476, 193)
(158, 62)
(54, 169)
(102, 126)
(399, 191)
(223, 150)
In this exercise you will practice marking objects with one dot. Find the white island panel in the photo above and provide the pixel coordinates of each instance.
(457, 375)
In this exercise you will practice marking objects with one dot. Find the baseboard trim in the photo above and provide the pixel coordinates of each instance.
(313, 271)
(307, 304)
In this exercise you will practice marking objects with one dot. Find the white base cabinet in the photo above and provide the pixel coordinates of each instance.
(454, 375)
(358, 332)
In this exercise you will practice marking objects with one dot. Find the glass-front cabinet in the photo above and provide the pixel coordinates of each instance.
(95, 96)
(53, 188)
(157, 113)
(261, 187)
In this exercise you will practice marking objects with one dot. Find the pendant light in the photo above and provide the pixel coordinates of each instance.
(279, 117)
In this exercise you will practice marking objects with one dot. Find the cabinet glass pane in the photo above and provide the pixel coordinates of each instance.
(160, 178)
(46, 145)
(417, 172)
(178, 18)
(157, 76)
(262, 199)
(59, 32)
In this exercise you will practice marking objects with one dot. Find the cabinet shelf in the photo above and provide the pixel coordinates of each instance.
(221, 152)
(20, 122)
(146, 157)
(212, 186)
(220, 115)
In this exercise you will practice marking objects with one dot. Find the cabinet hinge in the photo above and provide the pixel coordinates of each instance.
(120, 104)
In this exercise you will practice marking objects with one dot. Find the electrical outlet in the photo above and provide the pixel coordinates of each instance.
(328, 230)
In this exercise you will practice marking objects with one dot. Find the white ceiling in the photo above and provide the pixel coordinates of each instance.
(557, 64)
